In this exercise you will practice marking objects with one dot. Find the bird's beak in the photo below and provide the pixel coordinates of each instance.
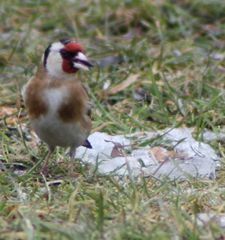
(81, 62)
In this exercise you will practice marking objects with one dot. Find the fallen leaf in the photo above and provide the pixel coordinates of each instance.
(123, 85)
(162, 154)
(117, 150)
(11, 121)
(7, 111)
(159, 153)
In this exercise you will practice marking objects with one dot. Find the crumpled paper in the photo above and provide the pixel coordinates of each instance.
(171, 153)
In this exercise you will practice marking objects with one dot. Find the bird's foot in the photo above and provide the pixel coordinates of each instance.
(44, 169)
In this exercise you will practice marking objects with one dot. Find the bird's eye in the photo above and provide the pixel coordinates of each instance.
(67, 55)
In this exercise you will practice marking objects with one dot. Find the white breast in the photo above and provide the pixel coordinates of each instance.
(54, 98)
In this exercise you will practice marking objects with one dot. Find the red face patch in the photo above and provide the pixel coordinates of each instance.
(67, 67)
(68, 53)
(73, 47)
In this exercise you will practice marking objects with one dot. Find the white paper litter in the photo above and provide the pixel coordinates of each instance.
(211, 218)
(172, 153)
(209, 136)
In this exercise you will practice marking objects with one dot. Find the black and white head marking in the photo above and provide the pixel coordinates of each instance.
(46, 53)
(52, 60)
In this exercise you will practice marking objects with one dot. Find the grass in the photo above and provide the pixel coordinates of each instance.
(177, 48)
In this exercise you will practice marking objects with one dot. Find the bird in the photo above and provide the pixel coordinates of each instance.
(57, 102)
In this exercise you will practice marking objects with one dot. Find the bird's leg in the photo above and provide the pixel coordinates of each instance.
(72, 154)
(44, 168)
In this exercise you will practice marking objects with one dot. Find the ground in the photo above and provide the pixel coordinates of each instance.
(158, 64)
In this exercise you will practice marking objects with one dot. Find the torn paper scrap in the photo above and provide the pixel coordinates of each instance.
(172, 153)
